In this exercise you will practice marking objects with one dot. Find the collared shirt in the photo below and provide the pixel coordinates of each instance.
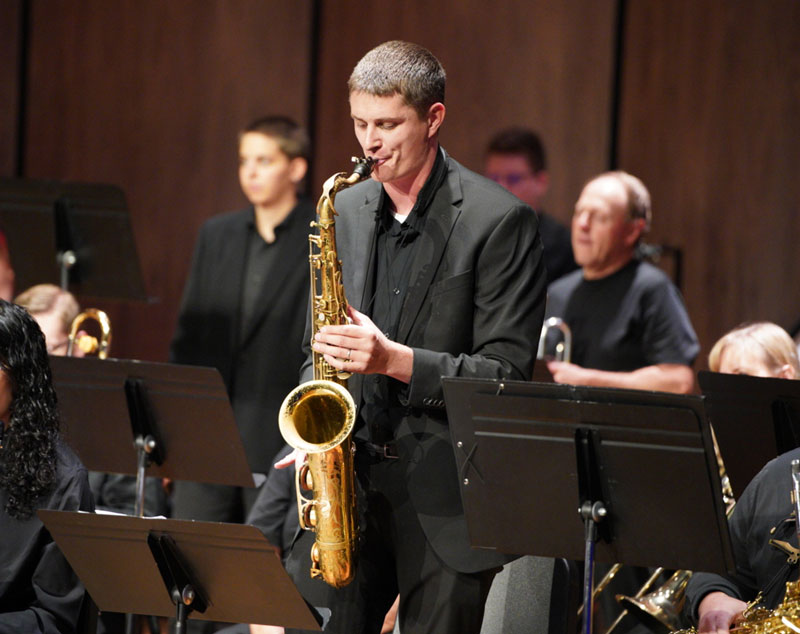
(260, 264)
(395, 245)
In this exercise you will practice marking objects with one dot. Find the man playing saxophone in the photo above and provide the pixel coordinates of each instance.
(443, 273)
(764, 512)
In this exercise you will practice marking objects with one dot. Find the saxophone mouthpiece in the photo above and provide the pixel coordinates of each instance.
(363, 166)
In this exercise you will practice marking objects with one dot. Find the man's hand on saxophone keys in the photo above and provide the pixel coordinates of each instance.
(361, 347)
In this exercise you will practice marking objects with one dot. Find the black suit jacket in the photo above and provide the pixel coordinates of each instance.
(473, 308)
(260, 366)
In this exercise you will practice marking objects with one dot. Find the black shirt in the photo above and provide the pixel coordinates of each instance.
(764, 511)
(628, 320)
(393, 250)
(260, 264)
(39, 592)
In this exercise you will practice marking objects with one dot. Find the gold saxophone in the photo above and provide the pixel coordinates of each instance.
(318, 416)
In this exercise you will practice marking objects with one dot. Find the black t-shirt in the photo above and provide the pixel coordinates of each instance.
(631, 319)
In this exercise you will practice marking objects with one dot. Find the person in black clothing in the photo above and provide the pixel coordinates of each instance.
(515, 158)
(39, 592)
(443, 272)
(243, 308)
(764, 512)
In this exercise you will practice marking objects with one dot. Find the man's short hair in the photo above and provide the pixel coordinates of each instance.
(291, 138)
(44, 298)
(522, 141)
(403, 68)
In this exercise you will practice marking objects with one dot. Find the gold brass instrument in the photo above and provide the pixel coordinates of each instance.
(660, 610)
(563, 349)
(87, 343)
(318, 416)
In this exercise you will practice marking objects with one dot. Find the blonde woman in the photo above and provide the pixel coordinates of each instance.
(758, 349)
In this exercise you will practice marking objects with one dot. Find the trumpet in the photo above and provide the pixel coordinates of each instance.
(563, 349)
(87, 343)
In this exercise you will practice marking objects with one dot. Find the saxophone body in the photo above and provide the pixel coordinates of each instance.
(318, 416)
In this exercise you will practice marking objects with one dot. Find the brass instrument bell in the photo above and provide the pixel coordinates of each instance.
(87, 343)
(563, 349)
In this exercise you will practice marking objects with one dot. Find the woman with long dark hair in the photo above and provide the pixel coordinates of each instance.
(39, 592)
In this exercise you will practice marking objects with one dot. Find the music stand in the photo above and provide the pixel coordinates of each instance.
(103, 404)
(215, 571)
(530, 454)
(77, 235)
(754, 420)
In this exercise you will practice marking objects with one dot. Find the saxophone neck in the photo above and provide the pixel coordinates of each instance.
(341, 181)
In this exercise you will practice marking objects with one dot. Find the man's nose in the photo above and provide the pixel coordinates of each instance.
(372, 138)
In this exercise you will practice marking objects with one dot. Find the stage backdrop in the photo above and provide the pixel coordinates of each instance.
(700, 99)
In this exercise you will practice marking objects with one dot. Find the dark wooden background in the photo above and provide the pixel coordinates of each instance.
(699, 99)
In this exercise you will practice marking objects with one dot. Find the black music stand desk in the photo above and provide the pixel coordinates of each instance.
(134, 565)
(77, 235)
(187, 407)
(755, 419)
(516, 454)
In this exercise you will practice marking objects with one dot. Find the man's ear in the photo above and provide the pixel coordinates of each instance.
(435, 118)
(786, 372)
(635, 231)
(298, 167)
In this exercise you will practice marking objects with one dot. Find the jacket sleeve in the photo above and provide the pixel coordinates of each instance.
(743, 584)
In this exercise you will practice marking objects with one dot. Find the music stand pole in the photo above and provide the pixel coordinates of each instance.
(592, 513)
(593, 510)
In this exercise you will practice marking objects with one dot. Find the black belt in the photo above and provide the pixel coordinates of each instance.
(387, 451)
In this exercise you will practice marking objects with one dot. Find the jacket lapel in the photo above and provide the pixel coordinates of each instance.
(361, 250)
(442, 216)
(356, 256)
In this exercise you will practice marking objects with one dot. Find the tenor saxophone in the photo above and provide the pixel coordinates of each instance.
(318, 416)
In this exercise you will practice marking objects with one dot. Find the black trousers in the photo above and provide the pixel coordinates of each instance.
(395, 557)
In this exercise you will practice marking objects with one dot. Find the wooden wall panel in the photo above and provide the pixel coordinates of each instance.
(10, 11)
(710, 120)
(546, 65)
(150, 95)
